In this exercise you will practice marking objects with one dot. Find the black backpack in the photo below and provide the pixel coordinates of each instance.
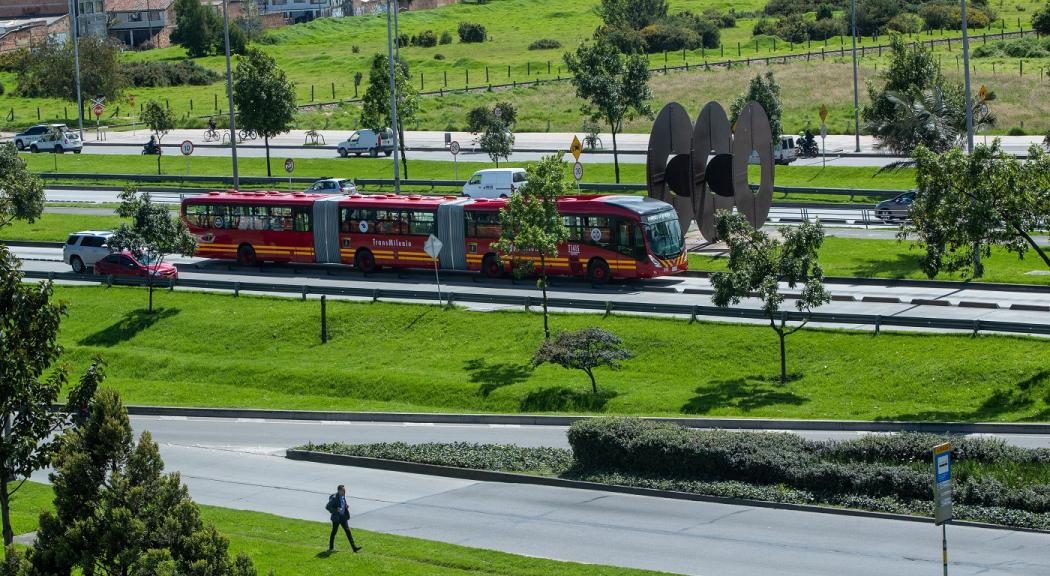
(332, 506)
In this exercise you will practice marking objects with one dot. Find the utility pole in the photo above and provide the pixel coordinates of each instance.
(856, 93)
(390, 5)
(149, 24)
(229, 92)
(74, 12)
(966, 67)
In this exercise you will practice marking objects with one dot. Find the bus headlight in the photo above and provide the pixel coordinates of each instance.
(655, 261)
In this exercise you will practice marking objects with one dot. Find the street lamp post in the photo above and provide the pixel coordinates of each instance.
(229, 93)
(393, 93)
(966, 68)
(856, 93)
(74, 14)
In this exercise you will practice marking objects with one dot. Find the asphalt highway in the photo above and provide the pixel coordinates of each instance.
(920, 302)
(239, 464)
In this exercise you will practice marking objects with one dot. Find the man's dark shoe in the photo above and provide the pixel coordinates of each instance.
(357, 549)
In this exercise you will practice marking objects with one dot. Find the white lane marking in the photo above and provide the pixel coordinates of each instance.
(417, 424)
(251, 420)
(504, 425)
(175, 418)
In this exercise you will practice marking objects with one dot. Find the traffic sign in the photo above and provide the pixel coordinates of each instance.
(186, 147)
(577, 171)
(98, 110)
(289, 165)
(131, 99)
(942, 488)
(432, 247)
(823, 130)
(576, 148)
(823, 113)
(454, 147)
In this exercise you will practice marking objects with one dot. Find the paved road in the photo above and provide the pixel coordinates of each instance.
(914, 301)
(239, 465)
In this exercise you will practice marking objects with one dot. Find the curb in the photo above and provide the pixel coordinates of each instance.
(31, 244)
(561, 421)
(513, 478)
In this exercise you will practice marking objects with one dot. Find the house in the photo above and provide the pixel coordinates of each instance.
(297, 10)
(141, 22)
(23, 32)
(20, 9)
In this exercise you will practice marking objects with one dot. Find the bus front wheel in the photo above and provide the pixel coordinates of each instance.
(365, 261)
(246, 255)
(598, 271)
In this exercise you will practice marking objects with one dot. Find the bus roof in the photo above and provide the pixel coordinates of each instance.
(396, 201)
(267, 197)
(597, 204)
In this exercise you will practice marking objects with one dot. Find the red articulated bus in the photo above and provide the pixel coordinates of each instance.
(609, 236)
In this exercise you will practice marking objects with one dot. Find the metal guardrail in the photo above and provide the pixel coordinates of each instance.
(278, 181)
(963, 325)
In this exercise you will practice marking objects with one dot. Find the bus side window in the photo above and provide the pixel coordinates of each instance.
(420, 223)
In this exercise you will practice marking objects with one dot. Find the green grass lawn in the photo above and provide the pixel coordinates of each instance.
(297, 547)
(380, 168)
(51, 227)
(322, 56)
(217, 350)
(891, 259)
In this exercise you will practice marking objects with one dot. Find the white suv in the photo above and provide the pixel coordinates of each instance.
(34, 133)
(58, 141)
(83, 249)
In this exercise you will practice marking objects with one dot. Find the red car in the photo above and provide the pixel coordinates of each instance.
(124, 264)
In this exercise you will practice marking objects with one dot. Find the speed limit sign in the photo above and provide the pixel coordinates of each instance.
(454, 147)
(577, 171)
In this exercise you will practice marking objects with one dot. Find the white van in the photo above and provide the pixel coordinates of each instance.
(784, 153)
(495, 183)
(368, 142)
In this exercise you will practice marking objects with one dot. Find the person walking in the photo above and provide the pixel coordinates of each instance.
(340, 512)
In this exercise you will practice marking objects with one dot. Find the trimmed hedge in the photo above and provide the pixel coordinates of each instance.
(873, 466)
(499, 457)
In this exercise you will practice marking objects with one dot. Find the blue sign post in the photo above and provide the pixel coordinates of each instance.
(942, 494)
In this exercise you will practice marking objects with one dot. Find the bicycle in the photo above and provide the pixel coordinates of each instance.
(246, 135)
(211, 135)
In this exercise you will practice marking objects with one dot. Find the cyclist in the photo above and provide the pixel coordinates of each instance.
(211, 124)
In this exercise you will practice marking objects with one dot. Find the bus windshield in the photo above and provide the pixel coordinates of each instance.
(664, 234)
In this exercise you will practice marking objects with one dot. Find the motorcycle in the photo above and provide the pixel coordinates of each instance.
(150, 148)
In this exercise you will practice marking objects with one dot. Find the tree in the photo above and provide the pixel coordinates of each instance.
(152, 234)
(375, 113)
(47, 70)
(1041, 20)
(585, 350)
(496, 139)
(160, 121)
(759, 263)
(615, 85)
(117, 513)
(917, 106)
(264, 97)
(765, 90)
(967, 203)
(194, 28)
(531, 225)
(632, 14)
(29, 321)
(21, 191)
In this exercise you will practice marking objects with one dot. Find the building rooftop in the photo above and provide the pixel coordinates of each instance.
(136, 5)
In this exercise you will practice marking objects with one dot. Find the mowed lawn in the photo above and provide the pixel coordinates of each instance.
(52, 227)
(289, 547)
(218, 350)
(863, 258)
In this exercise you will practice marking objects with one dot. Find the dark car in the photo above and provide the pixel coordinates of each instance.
(898, 208)
(124, 264)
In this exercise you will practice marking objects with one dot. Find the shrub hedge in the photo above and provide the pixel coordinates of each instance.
(501, 457)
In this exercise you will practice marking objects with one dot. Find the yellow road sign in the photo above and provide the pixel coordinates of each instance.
(576, 148)
(823, 112)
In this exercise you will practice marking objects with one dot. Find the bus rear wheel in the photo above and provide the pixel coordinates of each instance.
(598, 272)
(491, 267)
(365, 261)
(246, 255)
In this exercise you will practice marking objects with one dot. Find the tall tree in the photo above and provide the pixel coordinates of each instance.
(160, 121)
(117, 513)
(152, 234)
(968, 203)
(264, 97)
(633, 14)
(759, 263)
(615, 85)
(765, 90)
(47, 70)
(375, 112)
(530, 224)
(194, 28)
(496, 139)
(21, 191)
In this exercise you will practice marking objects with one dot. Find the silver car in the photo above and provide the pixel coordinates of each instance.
(58, 141)
(83, 249)
(898, 208)
(332, 186)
